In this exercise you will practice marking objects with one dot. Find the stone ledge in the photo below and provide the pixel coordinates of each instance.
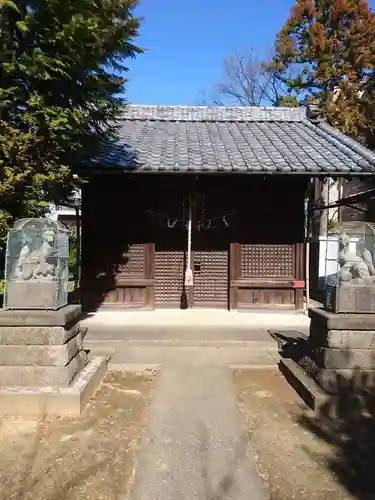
(47, 401)
(37, 317)
(332, 321)
(303, 384)
(41, 376)
(316, 389)
(38, 335)
(41, 355)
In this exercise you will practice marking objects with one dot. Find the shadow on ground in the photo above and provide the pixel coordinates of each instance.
(292, 344)
(346, 421)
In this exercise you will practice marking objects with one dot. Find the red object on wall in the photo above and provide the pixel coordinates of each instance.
(299, 284)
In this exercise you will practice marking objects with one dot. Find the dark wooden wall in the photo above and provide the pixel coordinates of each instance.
(131, 258)
(117, 257)
(267, 253)
(354, 186)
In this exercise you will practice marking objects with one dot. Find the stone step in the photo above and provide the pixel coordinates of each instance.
(41, 355)
(42, 376)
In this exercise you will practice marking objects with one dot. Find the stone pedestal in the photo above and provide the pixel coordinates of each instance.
(33, 294)
(339, 355)
(43, 364)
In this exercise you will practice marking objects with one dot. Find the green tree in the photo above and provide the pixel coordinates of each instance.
(61, 89)
(330, 47)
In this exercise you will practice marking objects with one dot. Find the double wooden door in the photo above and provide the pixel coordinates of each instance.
(209, 263)
(210, 278)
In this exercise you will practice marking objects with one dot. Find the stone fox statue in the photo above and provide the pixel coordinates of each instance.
(32, 261)
(354, 268)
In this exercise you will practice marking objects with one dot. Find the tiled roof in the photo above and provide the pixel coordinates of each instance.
(233, 139)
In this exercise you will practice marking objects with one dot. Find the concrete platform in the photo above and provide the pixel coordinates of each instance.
(178, 335)
(198, 317)
(47, 401)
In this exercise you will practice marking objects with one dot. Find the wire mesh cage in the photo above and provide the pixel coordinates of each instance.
(36, 265)
(350, 288)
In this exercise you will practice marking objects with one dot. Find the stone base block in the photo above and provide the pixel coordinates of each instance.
(342, 339)
(41, 355)
(327, 320)
(351, 298)
(345, 358)
(42, 376)
(335, 381)
(338, 358)
(65, 402)
(32, 317)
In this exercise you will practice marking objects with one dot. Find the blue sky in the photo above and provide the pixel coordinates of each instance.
(187, 40)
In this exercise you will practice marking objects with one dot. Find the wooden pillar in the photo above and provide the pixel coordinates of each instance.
(299, 259)
(149, 253)
(234, 273)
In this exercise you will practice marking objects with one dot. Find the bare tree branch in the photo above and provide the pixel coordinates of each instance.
(248, 81)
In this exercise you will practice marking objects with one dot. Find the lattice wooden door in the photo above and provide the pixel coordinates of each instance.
(169, 278)
(210, 278)
(210, 252)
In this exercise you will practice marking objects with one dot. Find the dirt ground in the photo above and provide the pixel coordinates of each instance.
(92, 457)
(292, 460)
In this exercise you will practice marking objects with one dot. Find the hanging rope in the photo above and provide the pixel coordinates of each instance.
(189, 279)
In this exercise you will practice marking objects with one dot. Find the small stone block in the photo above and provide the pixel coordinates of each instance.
(32, 294)
(349, 339)
(42, 376)
(32, 317)
(345, 358)
(38, 335)
(49, 355)
(65, 402)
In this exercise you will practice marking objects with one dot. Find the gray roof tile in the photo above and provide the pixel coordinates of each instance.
(233, 139)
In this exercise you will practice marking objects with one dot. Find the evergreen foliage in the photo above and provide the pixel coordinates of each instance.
(61, 86)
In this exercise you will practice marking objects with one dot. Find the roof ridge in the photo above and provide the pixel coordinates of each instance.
(200, 106)
(213, 113)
